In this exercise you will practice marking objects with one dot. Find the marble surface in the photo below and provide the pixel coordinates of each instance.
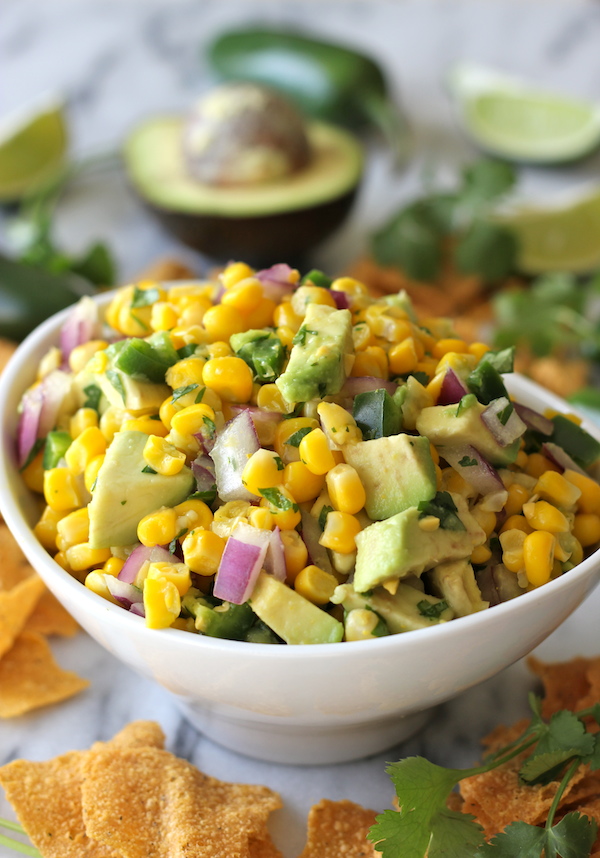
(119, 60)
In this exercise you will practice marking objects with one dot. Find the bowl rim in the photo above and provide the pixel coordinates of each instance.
(20, 372)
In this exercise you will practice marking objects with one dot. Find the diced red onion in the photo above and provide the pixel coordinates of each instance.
(311, 533)
(218, 294)
(452, 390)
(277, 281)
(504, 433)
(81, 326)
(234, 445)
(259, 416)
(40, 407)
(275, 559)
(203, 470)
(497, 584)
(138, 557)
(534, 420)
(364, 383)
(561, 458)
(342, 299)
(205, 440)
(125, 594)
(481, 475)
(238, 570)
(138, 609)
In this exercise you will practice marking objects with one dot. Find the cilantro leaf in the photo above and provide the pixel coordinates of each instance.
(518, 838)
(297, 436)
(486, 180)
(487, 249)
(424, 824)
(144, 297)
(277, 499)
(411, 240)
(572, 837)
(178, 392)
(432, 610)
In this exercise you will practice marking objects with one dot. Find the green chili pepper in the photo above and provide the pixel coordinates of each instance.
(326, 80)
(29, 294)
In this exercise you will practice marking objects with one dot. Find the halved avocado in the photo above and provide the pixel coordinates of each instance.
(256, 223)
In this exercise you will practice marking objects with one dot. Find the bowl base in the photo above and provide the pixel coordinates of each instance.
(302, 744)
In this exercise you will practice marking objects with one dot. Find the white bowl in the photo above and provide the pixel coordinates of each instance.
(325, 703)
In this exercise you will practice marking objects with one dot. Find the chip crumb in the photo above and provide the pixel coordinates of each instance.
(30, 677)
(338, 829)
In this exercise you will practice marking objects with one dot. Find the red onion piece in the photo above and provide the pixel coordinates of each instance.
(278, 280)
(342, 299)
(478, 472)
(259, 416)
(138, 609)
(238, 570)
(40, 407)
(534, 420)
(311, 533)
(364, 383)
(138, 557)
(203, 470)
(81, 326)
(125, 594)
(453, 388)
(560, 458)
(275, 559)
(504, 432)
(234, 445)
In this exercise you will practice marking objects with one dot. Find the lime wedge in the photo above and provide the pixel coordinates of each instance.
(33, 144)
(508, 118)
(559, 238)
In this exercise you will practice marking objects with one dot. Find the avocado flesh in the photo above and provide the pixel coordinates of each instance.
(397, 472)
(399, 546)
(124, 493)
(399, 610)
(156, 167)
(290, 615)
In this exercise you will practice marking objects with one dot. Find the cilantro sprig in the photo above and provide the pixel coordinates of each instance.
(425, 826)
(416, 237)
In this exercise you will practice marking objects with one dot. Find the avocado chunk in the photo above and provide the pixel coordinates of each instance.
(401, 545)
(284, 217)
(457, 424)
(290, 615)
(321, 356)
(397, 472)
(404, 611)
(455, 582)
(124, 493)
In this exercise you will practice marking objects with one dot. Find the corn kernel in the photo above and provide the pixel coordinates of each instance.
(193, 418)
(113, 566)
(305, 295)
(512, 542)
(46, 528)
(480, 554)
(262, 315)
(350, 286)
(516, 522)
(163, 316)
(229, 377)
(340, 532)
(301, 482)
(517, 496)
(177, 573)
(285, 430)
(61, 490)
(360, 624)
(95, 582)
(541, 515)
(285, 317)
(263, 470)
(235, 272)
(295, 553)
(83, 556)
(538, 556)
(315, 584)
(553, 487)
(221, 322)
(282, 506)
(478, 350)
(110, 422)
(245, 295)
(158, 528)
(202, 551)
(89, 444)
(315, 452)
(586, 528)
(72, 529)
(450, 344)
(261, 518)
(589, 499)
(33, 474)
(162, 603)
(345, 489)
(163, 457)
(80, 355)
(338, 424)
(270, 399)
(537, 464)
(82, 419)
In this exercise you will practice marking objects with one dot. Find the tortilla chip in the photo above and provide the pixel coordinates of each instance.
(15, 607)
(30, 678)
(47, 796)
(14, 567)
(147, 803)
(565, 683)
(263, 847)
(339, 828)
(50, 618)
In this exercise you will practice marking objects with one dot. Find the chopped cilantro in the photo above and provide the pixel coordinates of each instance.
(467, 462)
(117, 382)
(147, 469)
(443, 507)
(144, 297)
(181, 391)
(300, 338)
(279, 463)
(325, 510)
(93, 394)
(277, 499)
(432, 610)
(210, 426)
(294, 440)
(174, 542)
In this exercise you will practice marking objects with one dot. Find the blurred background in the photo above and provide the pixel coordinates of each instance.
(421, 85)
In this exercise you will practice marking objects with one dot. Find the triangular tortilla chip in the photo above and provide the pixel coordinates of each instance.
(147, 803)
(47, 796)
(15, 607)
(339, 828)
(14, 567)
(30, 678)
(50, 618)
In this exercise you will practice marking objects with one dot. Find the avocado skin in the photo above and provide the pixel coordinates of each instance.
(257, 240)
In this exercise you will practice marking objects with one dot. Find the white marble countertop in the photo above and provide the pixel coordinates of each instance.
(119, 60)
